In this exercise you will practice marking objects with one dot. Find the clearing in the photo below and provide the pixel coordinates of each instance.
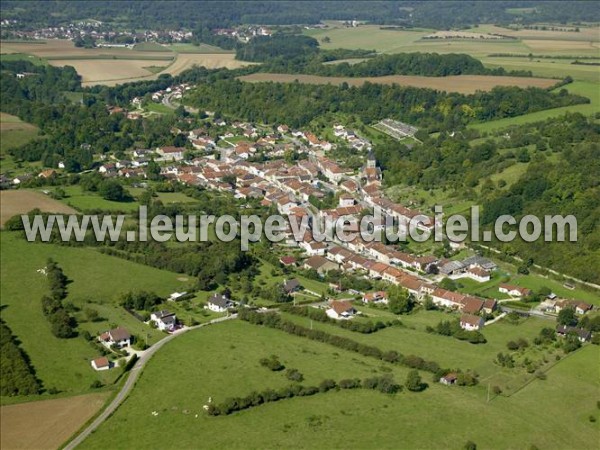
(46, 424)
(464, 84)
(21, 202)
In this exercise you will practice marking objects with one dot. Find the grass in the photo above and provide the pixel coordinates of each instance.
(165, 197)
(23, 57)
(84, 201)
(202, 48)
(584, 88)
(546, 67)
(13, 133)
(97, 281)
(176, 386)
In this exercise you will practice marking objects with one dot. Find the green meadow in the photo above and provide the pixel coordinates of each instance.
(97, 282)
(222, 361)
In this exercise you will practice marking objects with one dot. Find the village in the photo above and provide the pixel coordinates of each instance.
(290, 171)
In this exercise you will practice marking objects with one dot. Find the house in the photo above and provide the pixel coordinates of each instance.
(478, 274)
(119, 336)
(101, 363)
(376, 297)
(579, 307)
(290, 286)
(47, 173)
(489, 305)
(22, 178)
(165, 320)
(314, 247)
(171, 153)
(287, 261)
(340, 310)
(582, 334)
(470, 322)
(320, 264)
(514, 291)
(449, 379)
(219, 303)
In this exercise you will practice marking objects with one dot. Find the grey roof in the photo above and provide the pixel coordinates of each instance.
(290, 285)
(220, 300)
(480, 261)
(582, 333)
(119, 334)
(163, 314)
(452, 266)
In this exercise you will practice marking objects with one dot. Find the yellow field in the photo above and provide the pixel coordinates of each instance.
(465, 84)
(184, 61)
(21, 202)
(111, 66)
(46, 424)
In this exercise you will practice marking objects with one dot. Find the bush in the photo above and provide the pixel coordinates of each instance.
(272, 363)
(294, 375)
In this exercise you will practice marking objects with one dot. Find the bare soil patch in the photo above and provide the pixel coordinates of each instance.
(465, 84)
(46, 424)
(21, 202)
(93, 70)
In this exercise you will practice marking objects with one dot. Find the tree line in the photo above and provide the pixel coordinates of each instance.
(384, 384)
(62, 323)
(274, 320)
(18, 375)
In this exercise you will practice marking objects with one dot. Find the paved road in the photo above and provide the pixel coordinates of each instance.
(131, 380)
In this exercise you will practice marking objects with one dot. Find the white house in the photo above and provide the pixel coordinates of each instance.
(101, 363)
(376, 297)
(514, 291)
(219, 303)
(165, 320)
(470, 322)
(119, 336)
(340, 310)
(171, 153)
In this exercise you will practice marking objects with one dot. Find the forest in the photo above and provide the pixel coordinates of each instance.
(430, 14)
(297, 104)
(563, 156)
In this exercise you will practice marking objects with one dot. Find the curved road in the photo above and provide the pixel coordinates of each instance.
(131, 380)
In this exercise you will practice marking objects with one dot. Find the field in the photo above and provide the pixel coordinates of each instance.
(466, 84)
(21, 202)
(13, 133)
(46, 424)
(373, 37)
(97, 281)
(176, 386)
(111, 66)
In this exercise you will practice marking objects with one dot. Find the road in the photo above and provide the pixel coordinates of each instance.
(131, 380)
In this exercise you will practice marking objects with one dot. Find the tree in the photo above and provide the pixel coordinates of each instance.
(400, 301)
(112, 190)
(414, 382)
(567, 317)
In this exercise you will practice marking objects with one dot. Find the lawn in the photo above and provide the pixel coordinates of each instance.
(97, 281)
(85, 201)
(222, 361)
(164, 197)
